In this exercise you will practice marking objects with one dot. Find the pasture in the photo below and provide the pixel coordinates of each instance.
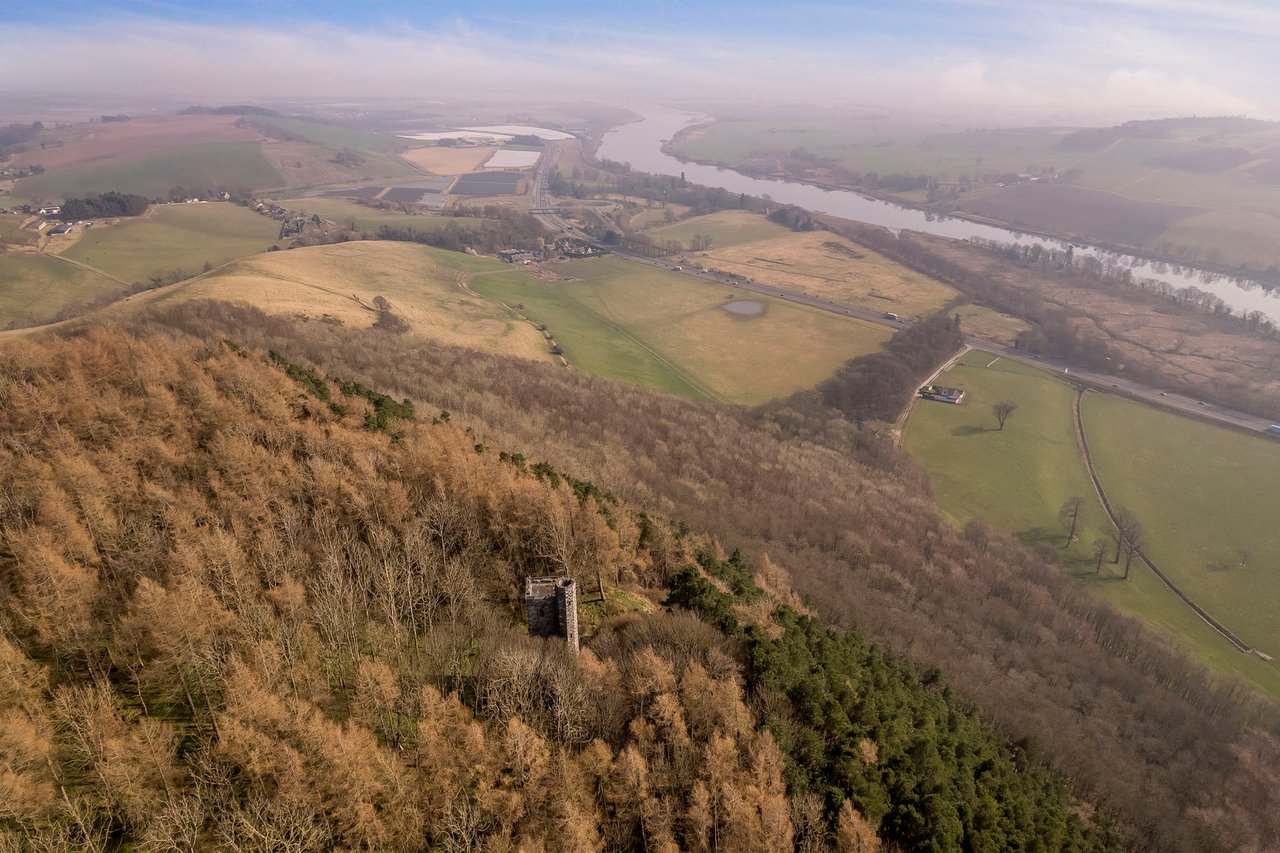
(1076, 211)
(1207, 497)
(174, 237)
(1017, 479)
(233, 165)
(824, 265)
(370, 219)
(690, 338)
(35, 286)
(340, 283)
(725, 228)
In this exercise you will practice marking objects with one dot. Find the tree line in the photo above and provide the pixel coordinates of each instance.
(102, 206)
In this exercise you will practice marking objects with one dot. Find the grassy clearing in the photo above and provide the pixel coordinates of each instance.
(1221, 497)
(1017, 480)
(174, 237)
(614, 306)
(230, 165)
(37, 286)
(989, 324)
(726, 228)
(653, 217)
(830, 267)
(341, 281)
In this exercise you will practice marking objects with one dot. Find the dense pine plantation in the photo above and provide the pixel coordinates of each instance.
(249, 605)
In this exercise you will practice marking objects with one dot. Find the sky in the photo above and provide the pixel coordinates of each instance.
(1042, 60)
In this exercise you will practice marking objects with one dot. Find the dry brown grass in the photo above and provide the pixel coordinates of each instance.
(340, 282)
(830, 267)
(441, 160)
(96, 141)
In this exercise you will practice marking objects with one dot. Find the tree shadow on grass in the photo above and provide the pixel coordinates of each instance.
(969, 429)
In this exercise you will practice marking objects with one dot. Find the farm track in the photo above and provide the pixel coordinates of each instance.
(1083, 444)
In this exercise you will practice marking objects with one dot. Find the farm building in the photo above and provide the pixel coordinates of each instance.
(954, 396)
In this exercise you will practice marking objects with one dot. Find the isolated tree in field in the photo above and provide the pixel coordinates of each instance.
(1069, 514)
(1003, 410)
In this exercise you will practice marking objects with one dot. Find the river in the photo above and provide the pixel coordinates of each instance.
(640, 144)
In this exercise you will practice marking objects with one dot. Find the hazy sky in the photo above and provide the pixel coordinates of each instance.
(1044, 59)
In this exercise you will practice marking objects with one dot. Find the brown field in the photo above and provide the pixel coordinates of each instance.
(822, 264)
(1083, 213)
(441, 160)
(92, 141)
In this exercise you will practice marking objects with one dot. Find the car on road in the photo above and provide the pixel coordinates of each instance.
(889, 315)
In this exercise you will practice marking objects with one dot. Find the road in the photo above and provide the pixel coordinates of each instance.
(1085, 378)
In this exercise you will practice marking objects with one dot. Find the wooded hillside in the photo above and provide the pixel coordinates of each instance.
(250, 605)
(1129, 722)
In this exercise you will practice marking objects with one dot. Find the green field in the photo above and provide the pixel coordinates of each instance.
(175, 237)
(626, 320)
(1017, 479)
(370, 219)
(1220, 498)
(726, 228)
(210, 165)
(332, 136)
(38, 286)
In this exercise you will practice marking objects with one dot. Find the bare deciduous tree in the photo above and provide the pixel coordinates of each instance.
(1069, 514)
(1003, 410)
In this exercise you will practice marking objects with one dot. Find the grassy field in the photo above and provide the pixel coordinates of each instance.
(1017, 480)
(1222, 501)
(654, 217)
(337, 138)
(37, 286)
(830, 267)
(12, 232)
(989, 324)
(370, 219)
(341, 282)
(174, 237)
(630, 321)
(232, 165)
(726, 228)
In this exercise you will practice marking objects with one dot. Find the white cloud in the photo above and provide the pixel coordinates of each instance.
(1078, 66)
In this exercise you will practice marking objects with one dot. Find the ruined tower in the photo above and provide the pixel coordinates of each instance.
(552, 608)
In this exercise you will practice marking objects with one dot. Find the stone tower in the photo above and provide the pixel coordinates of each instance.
(552, 608)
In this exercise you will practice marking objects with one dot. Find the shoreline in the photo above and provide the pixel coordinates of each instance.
(1241, 276)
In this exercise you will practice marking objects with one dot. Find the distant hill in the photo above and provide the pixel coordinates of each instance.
(233, 110)
(1094, 138)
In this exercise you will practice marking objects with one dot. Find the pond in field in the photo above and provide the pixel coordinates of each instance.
(745, 307)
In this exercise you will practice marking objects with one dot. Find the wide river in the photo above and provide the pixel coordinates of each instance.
(640, 144)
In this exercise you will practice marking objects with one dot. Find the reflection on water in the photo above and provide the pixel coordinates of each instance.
(640, 144)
